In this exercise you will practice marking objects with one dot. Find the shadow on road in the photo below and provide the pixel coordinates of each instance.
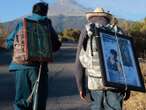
(65, 55)
(62, 86)
(5, 57)
(58, 86)
(7, 87)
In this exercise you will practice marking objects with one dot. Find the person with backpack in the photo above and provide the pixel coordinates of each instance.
(87, 65)
(38, 27)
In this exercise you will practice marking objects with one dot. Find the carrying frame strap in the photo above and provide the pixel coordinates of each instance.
(120, 55)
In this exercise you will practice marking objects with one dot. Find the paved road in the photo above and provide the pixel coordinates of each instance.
(63, 93)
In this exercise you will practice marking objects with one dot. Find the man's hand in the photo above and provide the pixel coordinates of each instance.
(127, 95)
(2, 43)
(87, 97)
(82, 96)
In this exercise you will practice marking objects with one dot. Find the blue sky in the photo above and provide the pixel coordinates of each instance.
(127, 9)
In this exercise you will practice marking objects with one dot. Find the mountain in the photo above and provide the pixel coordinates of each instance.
(9, 26)
(67, 14)
(62, 22)
(64, 14)
(67, 8)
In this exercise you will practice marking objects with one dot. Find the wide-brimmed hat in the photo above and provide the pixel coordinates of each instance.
(99, 12)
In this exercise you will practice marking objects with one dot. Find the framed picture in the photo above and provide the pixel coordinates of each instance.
(37, 41)
(118, 60)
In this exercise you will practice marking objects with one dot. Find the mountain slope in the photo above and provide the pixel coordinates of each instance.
(64, 14)
(67, 8)
(62, 22)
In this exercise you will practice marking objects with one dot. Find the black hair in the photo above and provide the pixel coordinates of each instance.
(113, 52)
(40, 8)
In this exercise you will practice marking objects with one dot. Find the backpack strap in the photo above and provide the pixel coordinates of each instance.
(92, 31)
(85, 42)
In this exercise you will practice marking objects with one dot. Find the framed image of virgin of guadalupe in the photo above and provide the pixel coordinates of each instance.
(37, 41)
(119, 63)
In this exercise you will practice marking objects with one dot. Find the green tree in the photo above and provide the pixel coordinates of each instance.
(71, 34)
(125, 25)
(138, 32)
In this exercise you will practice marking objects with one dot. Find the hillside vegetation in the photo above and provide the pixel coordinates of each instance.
(137, 30)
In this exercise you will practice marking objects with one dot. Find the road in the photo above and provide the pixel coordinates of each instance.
(63, 93)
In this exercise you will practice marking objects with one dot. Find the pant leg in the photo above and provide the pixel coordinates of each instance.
(25, 80)
(43, 87)
(113, 100)
(43, 90)
(23, 89)
(98, 99)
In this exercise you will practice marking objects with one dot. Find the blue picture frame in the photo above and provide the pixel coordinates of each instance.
(119, 63)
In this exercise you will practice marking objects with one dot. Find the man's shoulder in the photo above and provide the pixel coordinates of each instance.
(48, 21)
(35, 17)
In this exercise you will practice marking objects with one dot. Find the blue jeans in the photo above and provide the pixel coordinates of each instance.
(106, 100)
(25, 79)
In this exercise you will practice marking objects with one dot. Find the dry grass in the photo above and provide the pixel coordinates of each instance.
(137, 100)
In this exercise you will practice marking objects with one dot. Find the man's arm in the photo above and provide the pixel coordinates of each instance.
(56, 44)
(8, 43)
(3, 44)
(79, 70)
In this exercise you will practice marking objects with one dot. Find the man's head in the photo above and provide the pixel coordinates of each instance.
(99, 16)
(40, 8)
(113, 53)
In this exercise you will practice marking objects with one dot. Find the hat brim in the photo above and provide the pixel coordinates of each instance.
(94, 14)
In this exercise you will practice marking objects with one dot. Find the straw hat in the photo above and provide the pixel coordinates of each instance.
(99, 12)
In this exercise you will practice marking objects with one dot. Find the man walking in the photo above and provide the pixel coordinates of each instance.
(27, 72)
(87, 64)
